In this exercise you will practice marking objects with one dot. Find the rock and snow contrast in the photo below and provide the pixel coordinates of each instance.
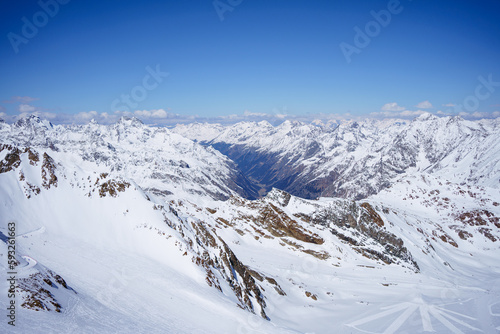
(360, 227)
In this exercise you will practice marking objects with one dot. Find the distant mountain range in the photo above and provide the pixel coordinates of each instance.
(356, 159)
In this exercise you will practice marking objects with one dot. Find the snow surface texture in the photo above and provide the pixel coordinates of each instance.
(133, 229)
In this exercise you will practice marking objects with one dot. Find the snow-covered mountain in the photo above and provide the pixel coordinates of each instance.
(357, 158)
(156, 159)
(138, 229)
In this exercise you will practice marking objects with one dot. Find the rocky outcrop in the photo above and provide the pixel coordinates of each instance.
(363, 228)
(112, 188)
(12, 159)
(49, 177)
(213, 254)
(43, 290)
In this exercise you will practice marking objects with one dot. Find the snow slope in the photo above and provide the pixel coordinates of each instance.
(126, 266)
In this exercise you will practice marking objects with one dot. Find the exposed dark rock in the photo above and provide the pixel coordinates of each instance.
(112, 188)
(36, 291)
(12, 160)
(48, 172)
(370, 225)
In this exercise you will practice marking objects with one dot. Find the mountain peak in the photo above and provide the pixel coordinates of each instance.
(455, 119)
(318, 122)
(33, 122)
(129, 121)
(426, 116)
(289, 122)
(264, 124)
(278, 195)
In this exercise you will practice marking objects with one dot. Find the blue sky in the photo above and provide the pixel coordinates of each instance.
(249, 57)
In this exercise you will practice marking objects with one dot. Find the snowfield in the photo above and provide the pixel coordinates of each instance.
(134, 229)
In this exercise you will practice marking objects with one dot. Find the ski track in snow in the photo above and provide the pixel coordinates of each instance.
(32, 233)
(31, 263)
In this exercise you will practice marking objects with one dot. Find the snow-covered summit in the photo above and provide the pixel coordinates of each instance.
(129, 121)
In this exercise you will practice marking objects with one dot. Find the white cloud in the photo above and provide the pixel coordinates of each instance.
(424, 105)
(393, 106)
(258, 114)
(160, 113)
(407, 113)
(21, 99)
(42, 115)
(442, 113)
(394, 114)
(383, 114)
(119, 113)
(155, 113)
(142, 113)
(478, 114)
(23, 108)
(160, 117)
(86, 116)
